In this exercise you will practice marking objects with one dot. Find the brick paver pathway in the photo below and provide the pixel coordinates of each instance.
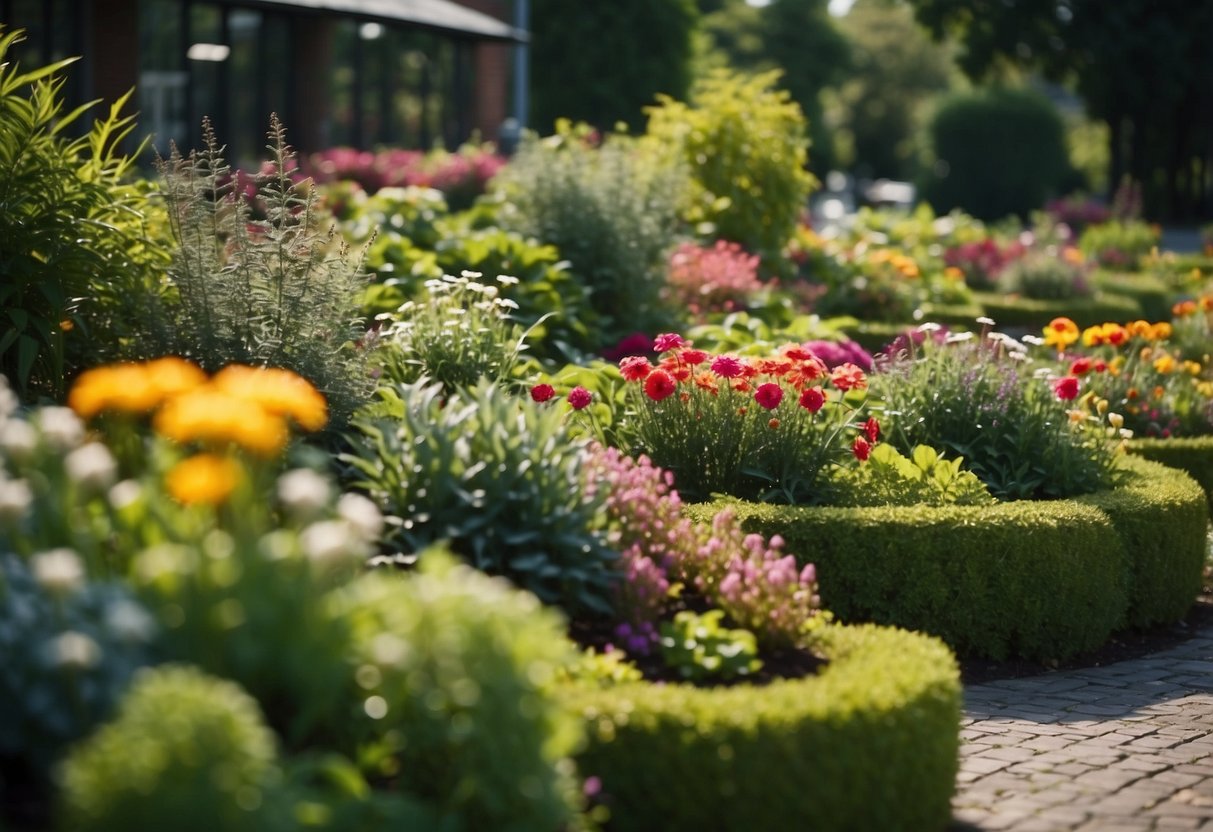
(1124, 747)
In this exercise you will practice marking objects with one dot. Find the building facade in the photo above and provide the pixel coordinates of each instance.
(358, 73)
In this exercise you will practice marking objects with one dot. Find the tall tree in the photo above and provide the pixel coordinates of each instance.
(603, 63)
(1143, 66)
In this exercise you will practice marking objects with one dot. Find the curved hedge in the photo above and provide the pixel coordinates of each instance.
(1041, 580)
(1012, 310)
(871, 742)
(1192, 454)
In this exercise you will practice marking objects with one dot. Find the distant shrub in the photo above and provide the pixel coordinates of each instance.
(746, 147)
(1119, 244)
(1045, 275)
(460, 176)
(998, 151)
(719, 278)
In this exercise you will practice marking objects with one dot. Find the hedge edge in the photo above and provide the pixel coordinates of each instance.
(871, 742)
(1040, 580)
(1192, 454)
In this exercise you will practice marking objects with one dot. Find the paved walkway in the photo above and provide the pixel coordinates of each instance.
(1124, 747)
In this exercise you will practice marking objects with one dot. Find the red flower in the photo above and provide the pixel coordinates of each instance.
(542, 392)
(579, 398)
(861, 448)
(1100, 366)
(1080, 367)
(849, 377)
(726, 366)
(1066, 388)
(871, 429)
(659, 385)
(769, 395)
(693, 357)
(635, 367)
(668, 341)
(812, 399)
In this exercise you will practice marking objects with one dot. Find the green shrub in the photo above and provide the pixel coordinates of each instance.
(1043, 276)
(974, 400)
(998, 151)
(1161, 516)
(187, 751)
(277, 292)
(870, 743)
(75, 256)
(745, 144)
(1011, 311)
(926, 478)
(1152, 294)
(610, 209)
(1191, 454)
(455, 672)
(699, 647)
(64, 640)
(497, 476)
(1041, 580)
(1119, 244)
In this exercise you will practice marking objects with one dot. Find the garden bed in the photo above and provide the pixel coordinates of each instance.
(1040, 580)
(870, 742)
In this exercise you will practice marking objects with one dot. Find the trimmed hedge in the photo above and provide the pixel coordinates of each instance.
(1012, 310)
(1193, 454)
(1161, 519)
(1040, 580)
(871, 742)
(1152, 295)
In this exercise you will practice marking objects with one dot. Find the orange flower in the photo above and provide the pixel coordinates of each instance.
(1139, 329)
(1161, 331)
(1183, 309)
(1164, 364)
(205, 479)
(849, 377)
(210, 416)
(280, 392)
(1061, 332)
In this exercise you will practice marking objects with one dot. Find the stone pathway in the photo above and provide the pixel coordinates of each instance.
(1124, 747)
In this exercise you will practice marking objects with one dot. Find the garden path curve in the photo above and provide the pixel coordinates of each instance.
(1127, 746)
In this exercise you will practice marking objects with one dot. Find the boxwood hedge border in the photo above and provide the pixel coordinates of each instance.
(1192, 454)
(1040, 580)
(870, 742)
(1014, 311)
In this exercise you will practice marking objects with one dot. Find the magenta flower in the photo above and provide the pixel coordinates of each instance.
(726, 366)
(668, 341)
(542, 392)
(769, 395)
(580, 398)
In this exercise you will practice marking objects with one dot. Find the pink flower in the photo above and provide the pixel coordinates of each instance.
(769, 395)
(871, 429)
(726, 366)
(659, 385)
(861, 448)
(668, 341)
(635, 367)
(1066, 388)
(579, 398)
(542, 392)
(812, 399)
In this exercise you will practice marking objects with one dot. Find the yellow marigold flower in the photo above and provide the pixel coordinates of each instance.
(1192, 368)
(1061, 332)
(205, 478)
(1139, 329)
(1161, 331)
(1205, 388)
(172, 375)
(1164, 364)
(281, 392)
(215, 417)
(132, 388)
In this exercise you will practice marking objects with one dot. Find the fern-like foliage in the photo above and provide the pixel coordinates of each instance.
(76, 259)
(275, 291)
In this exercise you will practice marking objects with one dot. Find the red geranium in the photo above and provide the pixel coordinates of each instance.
(871, 429)
(635, 367)
(693, 356)
(769, 395)
(1066, 388)
(861, 448)
(812, 399)
(542, 392)
(579, 398)
(659, 385)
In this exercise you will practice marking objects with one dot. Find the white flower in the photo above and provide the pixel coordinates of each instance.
(331, 542)
(18, 439)
(958, 337)
(506, 279)
(1034, 340)
(75, 650)
(60, 427)
(91, 466)
(929, 327)
(362, 514)
(303, 492)
(8, 400)
(15, 500)
(59, 571)
(129, 622)
(984, 321)
(124, 494)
